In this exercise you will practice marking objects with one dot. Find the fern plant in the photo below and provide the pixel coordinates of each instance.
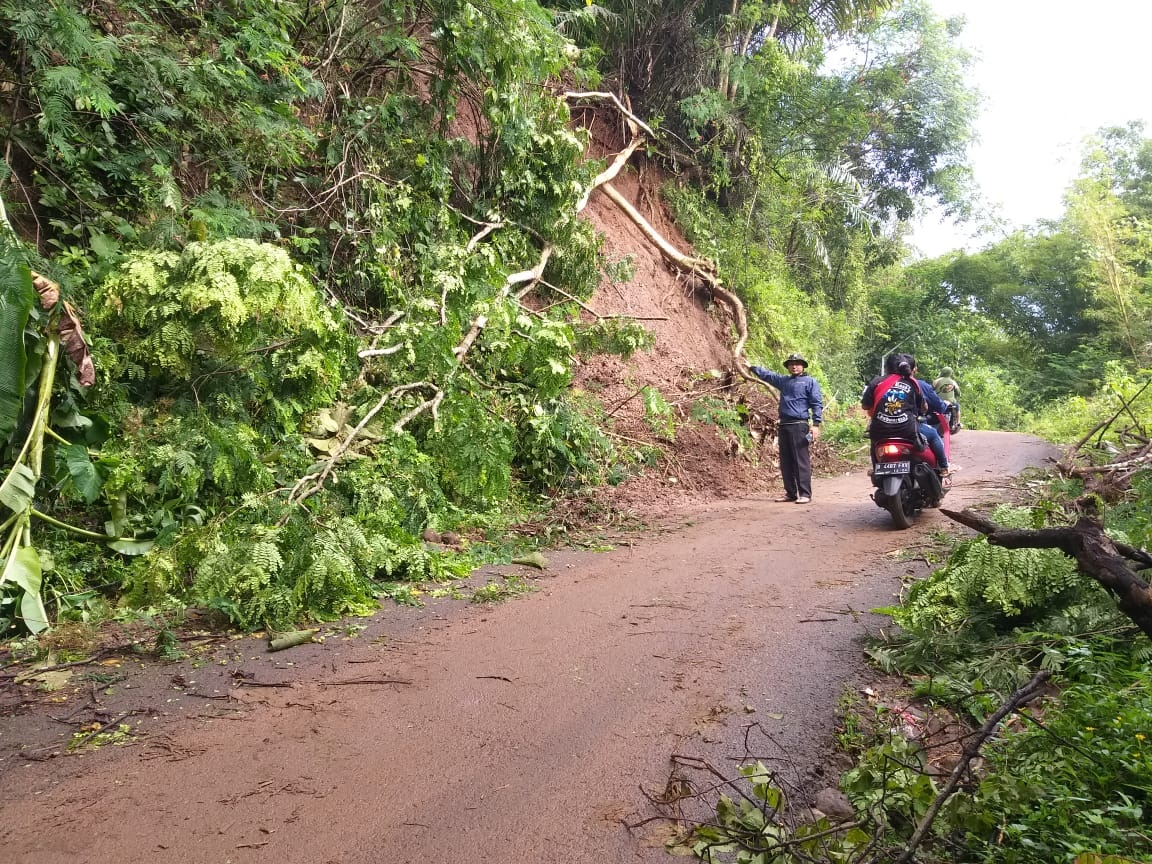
(235, 324)
(980, 578)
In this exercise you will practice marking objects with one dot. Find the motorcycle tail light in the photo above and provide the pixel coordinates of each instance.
(890, 451)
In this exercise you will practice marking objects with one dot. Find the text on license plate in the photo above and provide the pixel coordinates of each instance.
(886, 469)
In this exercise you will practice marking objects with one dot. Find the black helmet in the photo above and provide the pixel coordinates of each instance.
(795, 358)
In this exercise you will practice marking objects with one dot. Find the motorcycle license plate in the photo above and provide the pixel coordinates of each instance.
(887, 469)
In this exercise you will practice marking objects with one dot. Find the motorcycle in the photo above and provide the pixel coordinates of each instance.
(953, 416)
(906, 477)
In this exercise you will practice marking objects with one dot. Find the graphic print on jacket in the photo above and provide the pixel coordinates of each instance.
(896, 408)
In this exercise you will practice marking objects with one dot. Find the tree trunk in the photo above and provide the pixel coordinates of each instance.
(1093, 550)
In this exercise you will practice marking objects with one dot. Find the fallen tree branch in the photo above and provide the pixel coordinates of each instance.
(380, 352)
(1094, 551)
(488, 228)
(297, 496)
(971, 750)
(1111, 468)
(481, 321)
(432, 404)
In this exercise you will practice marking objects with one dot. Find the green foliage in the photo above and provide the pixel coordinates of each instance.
(1078, 783)
(274, 577)
(658, 414)
(1067, 420)
(621, 270)
(562, 445)
(1069, 778)
(507, 587)
(752, 826)
(474, 450)
(890, 779)
(980, 579)
(618, 336)
(234, 324)
(844, 433)
(991, 400)
(17, 298)
(1135, 513)
(729, 418)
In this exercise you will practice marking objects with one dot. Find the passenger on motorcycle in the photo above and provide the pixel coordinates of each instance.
(936, 406)
(895, 401)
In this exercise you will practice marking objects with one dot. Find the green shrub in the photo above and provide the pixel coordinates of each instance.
(234, 326)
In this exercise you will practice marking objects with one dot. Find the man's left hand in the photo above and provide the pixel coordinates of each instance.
(815, 433)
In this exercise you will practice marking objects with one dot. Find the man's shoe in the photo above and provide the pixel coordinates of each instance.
(803, 499)
(945, 472)
(785, 499)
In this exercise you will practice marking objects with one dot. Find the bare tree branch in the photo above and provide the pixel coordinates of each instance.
(971, 750)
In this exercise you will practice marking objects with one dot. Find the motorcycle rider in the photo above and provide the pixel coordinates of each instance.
(936, 405)
(949, 390)
(895, 412)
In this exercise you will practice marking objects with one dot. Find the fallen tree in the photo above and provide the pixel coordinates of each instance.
(1096, 554)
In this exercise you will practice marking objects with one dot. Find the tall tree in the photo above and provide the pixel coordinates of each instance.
(1118, 245)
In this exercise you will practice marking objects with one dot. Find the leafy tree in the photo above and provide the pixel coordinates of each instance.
(1117, 245)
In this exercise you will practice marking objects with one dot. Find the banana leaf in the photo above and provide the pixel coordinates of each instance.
(16, 299)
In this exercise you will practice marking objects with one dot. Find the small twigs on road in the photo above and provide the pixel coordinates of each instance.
(247, 679)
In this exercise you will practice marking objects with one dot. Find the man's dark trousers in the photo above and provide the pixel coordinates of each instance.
(795, 460)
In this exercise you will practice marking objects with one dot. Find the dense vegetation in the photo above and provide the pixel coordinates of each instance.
(239, 197)
(295, 233)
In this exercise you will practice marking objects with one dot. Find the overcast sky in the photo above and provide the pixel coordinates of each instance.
(1051, 72)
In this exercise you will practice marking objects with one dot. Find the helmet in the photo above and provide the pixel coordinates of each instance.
(795, 358)
(946, 372)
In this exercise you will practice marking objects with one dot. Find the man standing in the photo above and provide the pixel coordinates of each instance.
(799, 395)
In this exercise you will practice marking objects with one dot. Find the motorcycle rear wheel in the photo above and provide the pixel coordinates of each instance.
(901, 519)
(953, 420)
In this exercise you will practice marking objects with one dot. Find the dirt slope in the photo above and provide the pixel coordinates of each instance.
(692, 352)
(519, 733)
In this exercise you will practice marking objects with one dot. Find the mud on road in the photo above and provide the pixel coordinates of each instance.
(516, 733)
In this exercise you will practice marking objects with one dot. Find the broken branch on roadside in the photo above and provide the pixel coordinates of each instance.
(1094, 551)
